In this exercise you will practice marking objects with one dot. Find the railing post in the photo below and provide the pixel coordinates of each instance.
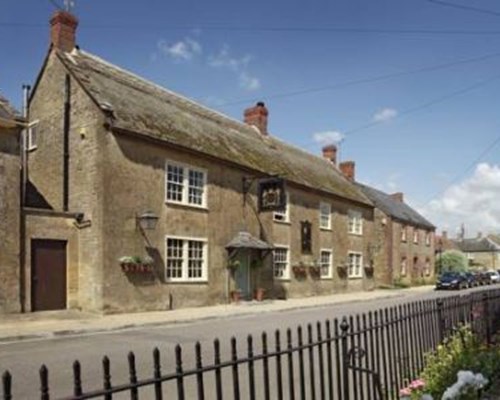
(441, 321)
(7, 385)
(486, 314)
(344, 327)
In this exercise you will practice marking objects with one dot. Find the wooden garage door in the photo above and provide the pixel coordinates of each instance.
(48, 275)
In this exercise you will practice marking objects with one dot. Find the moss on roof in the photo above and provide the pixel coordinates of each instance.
(145, 108)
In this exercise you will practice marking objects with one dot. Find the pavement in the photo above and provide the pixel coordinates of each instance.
(50, 324)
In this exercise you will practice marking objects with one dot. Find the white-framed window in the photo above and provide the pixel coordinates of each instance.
(283, 215)
(427, 238)
(281, 262)
(355, 222)
(403, 233)
(326, 263)
(325, 215)
(355, 265)
(427, 267)
(32, 136)
(415, 236)
(185, 185)
(186, 259)
(404, 266)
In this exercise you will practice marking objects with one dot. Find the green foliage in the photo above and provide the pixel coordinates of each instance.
(462, 351)
(452, 260)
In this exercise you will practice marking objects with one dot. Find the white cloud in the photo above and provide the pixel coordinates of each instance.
(473, 202)
(328, 137)
(183, 50)
(384, 115)
(239, 65)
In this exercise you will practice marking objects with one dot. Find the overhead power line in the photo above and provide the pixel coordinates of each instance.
(56, 4)
(360, 81)
(469, 167)
(269, 29)
(466, 8)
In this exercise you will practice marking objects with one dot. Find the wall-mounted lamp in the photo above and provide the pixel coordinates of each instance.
(147, 220)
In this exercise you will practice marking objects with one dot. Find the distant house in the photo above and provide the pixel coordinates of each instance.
(116, 155)
(405, 239)
(482, 252)
(11, 125)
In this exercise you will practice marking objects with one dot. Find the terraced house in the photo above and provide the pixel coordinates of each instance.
(11, 125)
(141, 199)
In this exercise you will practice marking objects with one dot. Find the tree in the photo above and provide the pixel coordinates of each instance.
(453, 261)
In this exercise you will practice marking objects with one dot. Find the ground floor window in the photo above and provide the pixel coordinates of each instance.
(280, 262)
(355, 265)
(427, 267)
(186, 259)
(404, 266)
(325, 263)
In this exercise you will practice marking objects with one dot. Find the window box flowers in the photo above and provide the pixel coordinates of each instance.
(299, 271)
(136, 264)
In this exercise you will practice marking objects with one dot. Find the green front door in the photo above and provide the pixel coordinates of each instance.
(242, 275)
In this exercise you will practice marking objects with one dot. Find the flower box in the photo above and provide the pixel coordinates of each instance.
(299, 271)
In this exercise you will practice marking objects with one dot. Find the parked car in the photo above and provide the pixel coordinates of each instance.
(483, 278)
(494, 276)
(472, 279)
(452, 280)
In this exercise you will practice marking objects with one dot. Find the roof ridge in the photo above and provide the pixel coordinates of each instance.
(181, 97)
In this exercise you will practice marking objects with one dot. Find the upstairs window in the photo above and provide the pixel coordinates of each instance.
(415, 236)
(185, 185)
(403, 233)
(283, 215)
(355, 223)
(404, 266)
(32, 136)
(427, 238)
(325, 216)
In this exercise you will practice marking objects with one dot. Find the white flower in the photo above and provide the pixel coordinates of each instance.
(465, 379)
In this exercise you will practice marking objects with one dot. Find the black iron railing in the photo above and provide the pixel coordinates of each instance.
(367, 356)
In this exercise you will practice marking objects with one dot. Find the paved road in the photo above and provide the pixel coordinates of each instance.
(23, 359)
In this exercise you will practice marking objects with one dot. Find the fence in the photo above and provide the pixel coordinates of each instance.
(367, 356)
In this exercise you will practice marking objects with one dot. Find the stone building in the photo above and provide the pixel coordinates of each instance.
(11, 125)
(116, 155)
(483, 252)
(404, 240)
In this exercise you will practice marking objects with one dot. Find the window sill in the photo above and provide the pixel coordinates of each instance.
(186, 205)
(354, 277)
(326, 278)
(325, 229)
(282, 222)
(30, 149)
(185, 281)
(355, 234)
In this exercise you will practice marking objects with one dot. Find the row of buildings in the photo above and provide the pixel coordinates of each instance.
(118, 195)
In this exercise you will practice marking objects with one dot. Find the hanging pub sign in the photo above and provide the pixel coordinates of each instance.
(272, 195)
(305, 236)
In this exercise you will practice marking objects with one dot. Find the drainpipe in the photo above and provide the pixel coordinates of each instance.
(22, 202)
(66, 125)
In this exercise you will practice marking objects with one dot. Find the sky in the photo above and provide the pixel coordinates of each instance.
(409, 89)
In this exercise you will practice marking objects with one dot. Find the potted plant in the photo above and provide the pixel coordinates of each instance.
(147, 264)
(342, 271)
(232, 264)
(314, 271)
(235, 295)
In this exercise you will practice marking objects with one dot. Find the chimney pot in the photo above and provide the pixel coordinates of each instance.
(330, 153)
(398, 197)
(63, 30)
(348, 168)
(257, 116)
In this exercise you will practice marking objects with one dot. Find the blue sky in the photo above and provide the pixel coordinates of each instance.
(431, 126)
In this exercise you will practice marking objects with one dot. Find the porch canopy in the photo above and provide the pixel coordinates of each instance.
(244, 240)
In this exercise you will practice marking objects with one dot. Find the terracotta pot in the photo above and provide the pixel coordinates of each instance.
(235, 296)
(259, 294)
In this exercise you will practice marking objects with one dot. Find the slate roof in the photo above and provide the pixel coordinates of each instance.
(6, 110)
(244, 240)
(142, 107)
(477, 245)
(394, 208)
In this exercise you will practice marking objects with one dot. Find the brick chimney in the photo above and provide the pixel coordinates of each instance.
(63, 30)
(330, 153)
(348, 168)
(257, 116)
(444, 235)
(398, 197)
